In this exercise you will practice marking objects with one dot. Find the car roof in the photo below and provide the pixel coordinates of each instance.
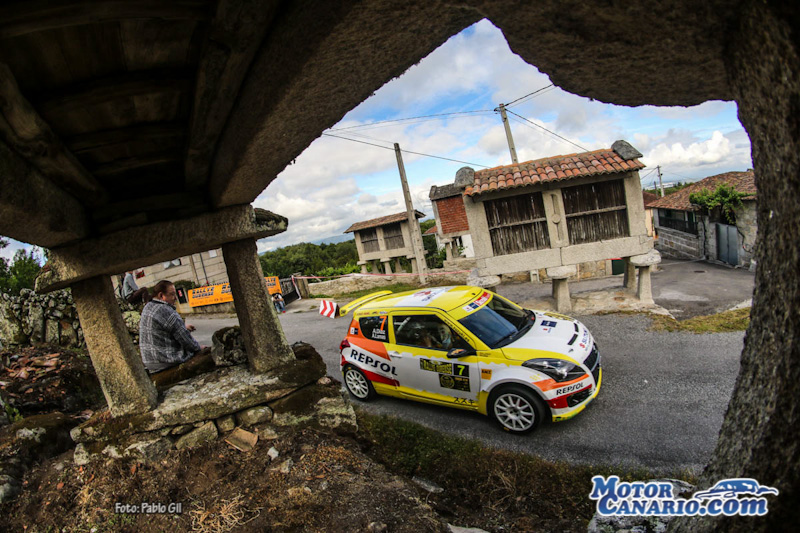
(444, 298)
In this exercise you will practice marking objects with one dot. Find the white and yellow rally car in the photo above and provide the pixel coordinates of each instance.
(470, 348)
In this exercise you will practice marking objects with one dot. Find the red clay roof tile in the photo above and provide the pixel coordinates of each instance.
(604, 161)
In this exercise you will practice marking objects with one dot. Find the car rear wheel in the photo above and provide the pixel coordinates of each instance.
(357, 384)
(517, 409)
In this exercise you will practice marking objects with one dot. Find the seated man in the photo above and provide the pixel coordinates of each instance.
(131, 292)
(165, 341)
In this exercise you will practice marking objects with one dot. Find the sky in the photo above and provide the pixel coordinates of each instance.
(336, 182)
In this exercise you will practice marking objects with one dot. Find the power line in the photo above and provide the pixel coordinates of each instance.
(406, 151)
(527, 95)
(435, 116)
(643, 177)
(548, 131)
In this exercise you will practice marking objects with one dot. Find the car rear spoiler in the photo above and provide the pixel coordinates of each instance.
(358, 302)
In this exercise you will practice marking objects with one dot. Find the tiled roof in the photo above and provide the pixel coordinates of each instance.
(556, 168)
(431, 230)
(744, 182)
(648, 198)
(381, 221)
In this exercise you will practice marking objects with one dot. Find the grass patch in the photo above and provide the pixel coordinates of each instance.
(486, 487)
(394, 287)
(727, 321)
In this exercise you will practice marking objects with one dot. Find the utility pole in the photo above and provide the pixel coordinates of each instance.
(661, 185)
(511, 147)
(413, 225)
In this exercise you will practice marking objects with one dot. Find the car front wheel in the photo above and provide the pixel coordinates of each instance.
(357, 384)
(517, 409)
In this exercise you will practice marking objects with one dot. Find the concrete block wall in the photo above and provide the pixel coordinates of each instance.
(679, 245)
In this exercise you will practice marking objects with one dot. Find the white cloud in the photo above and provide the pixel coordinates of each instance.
(337, 182)
(707, 152)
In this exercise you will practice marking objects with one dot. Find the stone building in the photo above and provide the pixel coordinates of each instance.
(686, 232)
(551, 215)
(380, 240)
(202, 268)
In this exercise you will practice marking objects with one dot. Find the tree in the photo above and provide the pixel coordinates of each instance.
(21, 272)
(4, 276)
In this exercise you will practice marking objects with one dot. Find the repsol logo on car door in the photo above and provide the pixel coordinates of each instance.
(372, 362)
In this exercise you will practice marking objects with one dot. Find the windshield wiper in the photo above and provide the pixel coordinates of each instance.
(511, 337)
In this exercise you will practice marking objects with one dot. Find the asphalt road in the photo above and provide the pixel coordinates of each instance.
(661, 405)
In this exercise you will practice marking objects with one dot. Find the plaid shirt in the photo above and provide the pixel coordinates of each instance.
(163, 338)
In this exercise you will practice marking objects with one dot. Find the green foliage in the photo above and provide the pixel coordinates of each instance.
(186, 284)
(20, 273)
(311, 259)
(725, 198)
(480, 477)
(12, 414)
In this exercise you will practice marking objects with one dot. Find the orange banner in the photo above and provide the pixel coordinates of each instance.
(219, 294)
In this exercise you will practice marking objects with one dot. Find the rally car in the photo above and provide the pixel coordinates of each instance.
(470, 348)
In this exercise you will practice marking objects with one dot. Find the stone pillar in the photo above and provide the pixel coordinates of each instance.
(645, 291)
(301, 284)
(448, 250)
(263, 335)
(629, 276)
(643, 263)
(125, 383)
(363, 268)
(387, 264)
(414, 266)
(397, 266)
(561, 296)
(376, 266)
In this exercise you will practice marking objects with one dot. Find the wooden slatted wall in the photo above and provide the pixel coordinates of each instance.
(517, 224)
(393, 236)
(596, 211)
(369, 240)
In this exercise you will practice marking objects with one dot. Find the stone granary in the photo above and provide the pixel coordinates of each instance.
(555, 213)
(132, 123)
(382, 239)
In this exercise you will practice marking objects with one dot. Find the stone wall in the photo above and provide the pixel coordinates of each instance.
(32, 318)
(359, 282)
(679, 245)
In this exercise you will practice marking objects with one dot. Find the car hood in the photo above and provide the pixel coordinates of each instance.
(554, 333)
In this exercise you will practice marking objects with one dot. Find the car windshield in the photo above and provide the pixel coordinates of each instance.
(498, 323)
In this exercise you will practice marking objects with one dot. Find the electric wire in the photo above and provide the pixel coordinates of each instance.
(406, 151)
(431, 117)
(518, 100)
(548, 131)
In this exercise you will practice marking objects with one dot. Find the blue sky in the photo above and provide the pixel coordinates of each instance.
(336, 182)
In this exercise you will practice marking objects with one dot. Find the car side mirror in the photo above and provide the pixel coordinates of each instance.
(455, 353)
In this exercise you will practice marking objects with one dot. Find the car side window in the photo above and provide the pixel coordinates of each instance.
(426, 331)
(374, 327)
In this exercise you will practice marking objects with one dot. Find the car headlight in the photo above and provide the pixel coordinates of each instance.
(558, 369)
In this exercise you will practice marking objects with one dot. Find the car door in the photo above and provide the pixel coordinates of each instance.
(418, 348)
